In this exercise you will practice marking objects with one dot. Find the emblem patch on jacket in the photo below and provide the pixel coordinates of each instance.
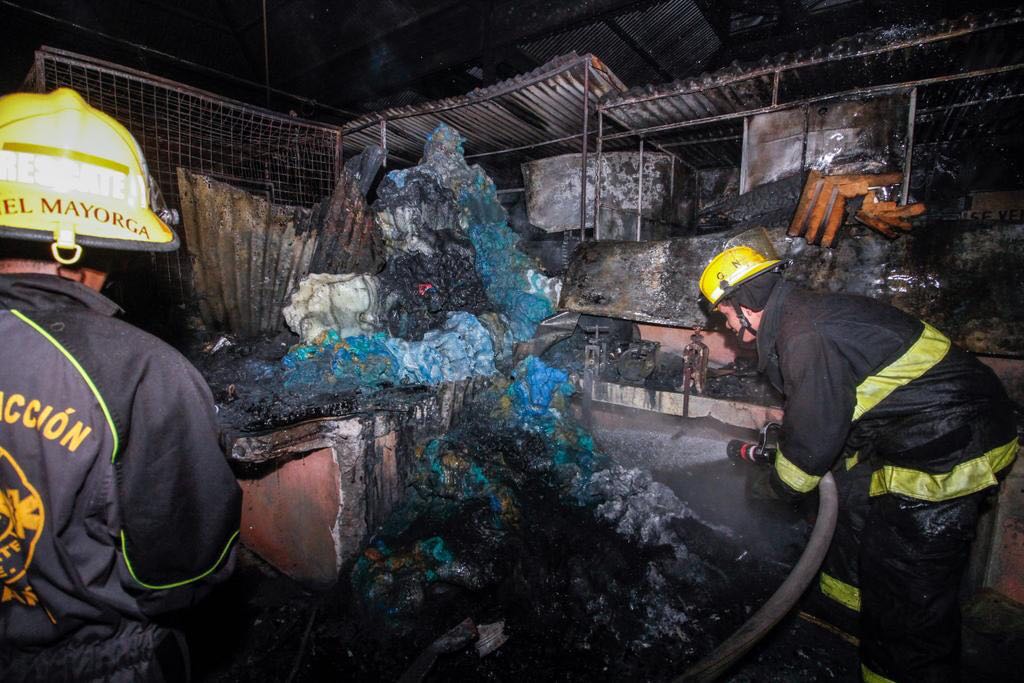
(21, 524)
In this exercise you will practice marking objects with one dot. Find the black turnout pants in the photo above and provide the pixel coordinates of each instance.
(907, 558)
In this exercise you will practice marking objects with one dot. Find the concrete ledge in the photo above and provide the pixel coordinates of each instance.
(738, 413)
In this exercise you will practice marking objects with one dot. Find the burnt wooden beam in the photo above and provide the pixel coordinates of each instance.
(717, 15)
(792, 16)
(255, 67)
(639, 49)
(439, 42)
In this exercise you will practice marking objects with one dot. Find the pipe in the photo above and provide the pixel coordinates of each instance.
(586, 150)
(782, 600)
(640, 193)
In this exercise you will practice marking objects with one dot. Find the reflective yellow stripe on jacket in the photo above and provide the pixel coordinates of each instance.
(870, 676)
(929, 349)
(966, 478)
(923, 354)
(792, 476)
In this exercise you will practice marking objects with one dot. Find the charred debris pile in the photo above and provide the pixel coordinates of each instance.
(438, 292)
(562, 559)
(452, 297)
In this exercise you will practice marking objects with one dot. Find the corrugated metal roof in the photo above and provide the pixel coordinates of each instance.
(616, 53)
(675, 32)
(542, 107)
(662, 40)
(941, 53)
(700, 118)
(403, 98)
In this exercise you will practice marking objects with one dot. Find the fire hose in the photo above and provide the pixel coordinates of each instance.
(782, 600)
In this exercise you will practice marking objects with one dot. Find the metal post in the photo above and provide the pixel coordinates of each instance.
(583, 156)
(744, 155)
(803, 143)
(266, 54)
(384, 141)
(35, 80)
(691, 218)
(598, 174)
(905, 195)
(339, 156)
(640, 193)
(672, 183)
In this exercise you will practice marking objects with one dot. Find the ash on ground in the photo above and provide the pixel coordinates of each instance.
(496, 531)
(595, 568)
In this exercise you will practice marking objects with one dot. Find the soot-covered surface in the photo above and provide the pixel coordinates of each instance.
(248, 383)
(596, 568)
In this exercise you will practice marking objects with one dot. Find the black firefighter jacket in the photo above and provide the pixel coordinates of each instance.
(116, 502)
(935, 423)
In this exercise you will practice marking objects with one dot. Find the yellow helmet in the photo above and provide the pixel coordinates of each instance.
(71, 174)
(730, 268)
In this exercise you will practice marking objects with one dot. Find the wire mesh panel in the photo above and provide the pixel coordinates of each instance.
(291, 161)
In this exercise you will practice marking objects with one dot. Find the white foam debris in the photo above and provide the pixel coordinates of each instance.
(344, 302)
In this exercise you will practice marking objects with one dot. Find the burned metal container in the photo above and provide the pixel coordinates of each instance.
(658, 186)
(862, 135)
(960, 278)
(650, 282)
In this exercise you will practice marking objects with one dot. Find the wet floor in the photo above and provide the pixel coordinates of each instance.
(689, 456)
(666, 564)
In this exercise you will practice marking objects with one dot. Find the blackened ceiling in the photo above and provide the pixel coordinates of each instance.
(340, 59)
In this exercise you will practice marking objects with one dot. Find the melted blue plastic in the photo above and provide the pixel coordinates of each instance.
(510, 277)
(462, 348)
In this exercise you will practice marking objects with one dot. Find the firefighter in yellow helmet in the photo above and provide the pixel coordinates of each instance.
(74, 177)
(917, 433)
(116, 503)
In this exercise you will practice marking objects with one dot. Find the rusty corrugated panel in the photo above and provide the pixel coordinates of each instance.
(882, 44)
(250, 254)
(247, 253)
(599, 38)
(675, 32)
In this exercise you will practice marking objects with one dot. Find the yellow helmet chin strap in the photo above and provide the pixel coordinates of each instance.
(744, 323)
(64, 240)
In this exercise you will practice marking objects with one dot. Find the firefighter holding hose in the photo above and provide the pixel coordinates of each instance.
(117, 506)
(916, 431)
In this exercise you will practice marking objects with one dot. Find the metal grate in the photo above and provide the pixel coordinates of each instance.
(291, 161)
